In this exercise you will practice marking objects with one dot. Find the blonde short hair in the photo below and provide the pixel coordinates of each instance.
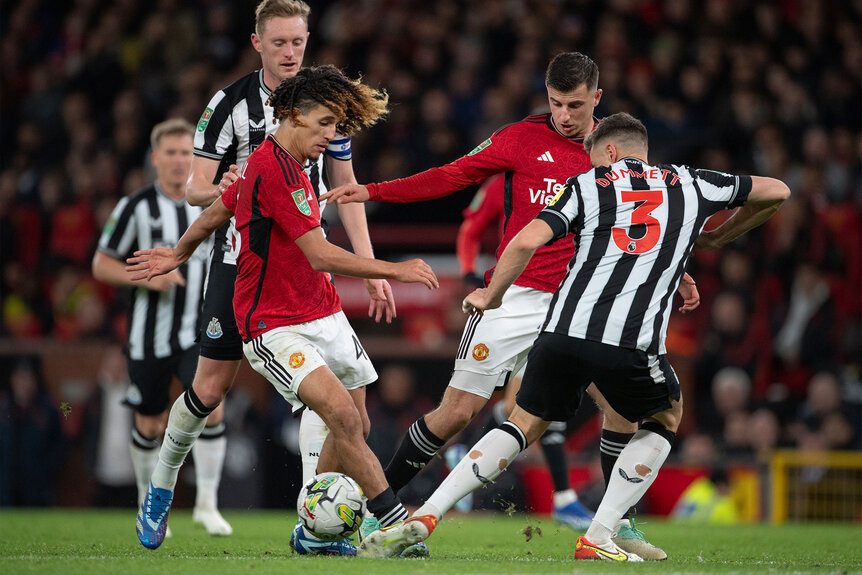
(172, 127)
(269, 9)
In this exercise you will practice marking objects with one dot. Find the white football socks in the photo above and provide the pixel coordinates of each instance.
(635, 470)
(182, 431)
(209, 456)
(145, 454)
(312, 434)
(483, 463)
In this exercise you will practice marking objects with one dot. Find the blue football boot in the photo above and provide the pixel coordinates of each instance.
(153, 517)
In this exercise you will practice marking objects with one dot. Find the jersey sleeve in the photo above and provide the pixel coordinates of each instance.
(493, 156)
(340, 148)
(292, 211)
(563, 210)
(484, 211)
(120, 236)
(725, 188)
(230, 196)
(214, 133)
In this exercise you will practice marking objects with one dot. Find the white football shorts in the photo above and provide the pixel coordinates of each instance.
(286, 355)
(497, 343)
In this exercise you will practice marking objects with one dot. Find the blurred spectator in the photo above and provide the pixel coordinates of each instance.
(731, 389)
(707, 501)
(107, 424)
(825, 420)
(804, 341)
(31, 439)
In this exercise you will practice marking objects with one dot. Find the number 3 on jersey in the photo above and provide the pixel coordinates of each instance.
(647, 201)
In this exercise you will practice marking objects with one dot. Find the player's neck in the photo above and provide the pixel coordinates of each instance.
(177, 192)
(282, 138)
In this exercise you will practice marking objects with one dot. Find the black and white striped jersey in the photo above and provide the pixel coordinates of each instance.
(234, 123)
(635, 226)
(160, 323)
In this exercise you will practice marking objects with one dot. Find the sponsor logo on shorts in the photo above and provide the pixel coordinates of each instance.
(296, 360)
(214, 329)
(480, 352)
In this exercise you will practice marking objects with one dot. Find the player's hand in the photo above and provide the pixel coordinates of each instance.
(147, 264)
(690, 296)
(416, 271)
(227, 178)
(478, 302)
(346, 194)
(382, 302)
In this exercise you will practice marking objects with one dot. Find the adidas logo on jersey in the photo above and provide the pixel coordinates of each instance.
(546, 157)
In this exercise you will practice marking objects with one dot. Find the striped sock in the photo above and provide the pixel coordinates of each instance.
(417, 448)
(387, 508)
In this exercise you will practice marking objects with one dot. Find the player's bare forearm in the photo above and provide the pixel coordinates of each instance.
(326, 257)
(515, 258)
(112, 271)
(200, 190)
(766, 196)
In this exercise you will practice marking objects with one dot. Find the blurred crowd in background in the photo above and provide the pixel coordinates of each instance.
(771, 358)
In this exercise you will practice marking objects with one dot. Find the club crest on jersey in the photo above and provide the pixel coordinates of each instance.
(480, 147)
(301, 202)
(556, 197)
(205, 119)
(296, 360)
(214, 329)
(133, 395)
(480, 352)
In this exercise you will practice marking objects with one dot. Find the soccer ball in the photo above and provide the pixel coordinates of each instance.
(331, 506)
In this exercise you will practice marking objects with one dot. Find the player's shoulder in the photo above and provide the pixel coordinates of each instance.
(270, 157)
(239, 89)
(530, 124)
(147, 193)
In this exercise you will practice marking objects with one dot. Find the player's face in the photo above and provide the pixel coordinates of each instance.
(572, 112)
(317, 131)
(172, 159)
(281, 45)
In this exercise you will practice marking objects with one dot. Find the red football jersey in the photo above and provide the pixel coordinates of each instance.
(274, 204)
(536, 159)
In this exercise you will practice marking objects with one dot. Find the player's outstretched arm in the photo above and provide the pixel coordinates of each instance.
(512, 262)
(382, 302)
(766, 196)
(346, 194)
(147, 264)
(326, 257)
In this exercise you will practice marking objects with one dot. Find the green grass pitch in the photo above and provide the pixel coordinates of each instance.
(90, 542)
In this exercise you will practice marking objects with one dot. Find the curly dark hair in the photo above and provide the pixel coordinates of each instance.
(356, 105)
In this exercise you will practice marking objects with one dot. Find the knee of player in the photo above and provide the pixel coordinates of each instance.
(345, 420)
(212, 390)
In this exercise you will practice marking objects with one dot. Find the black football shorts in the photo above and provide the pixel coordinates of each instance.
(559, 368)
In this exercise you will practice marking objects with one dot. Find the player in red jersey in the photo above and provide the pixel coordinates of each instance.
(287, 311)
(536, 155)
